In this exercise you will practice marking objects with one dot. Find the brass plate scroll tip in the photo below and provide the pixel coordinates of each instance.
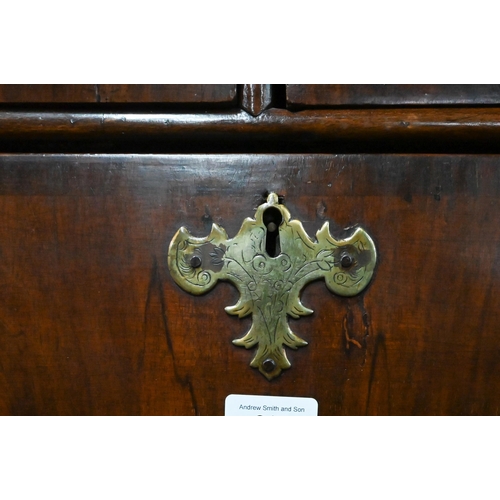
(270, 261)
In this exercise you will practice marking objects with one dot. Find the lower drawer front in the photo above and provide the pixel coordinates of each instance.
(91, 321)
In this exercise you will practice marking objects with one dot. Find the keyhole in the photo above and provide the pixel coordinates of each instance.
(272, 219)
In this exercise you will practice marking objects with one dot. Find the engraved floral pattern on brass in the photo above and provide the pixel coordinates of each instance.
(269, 262)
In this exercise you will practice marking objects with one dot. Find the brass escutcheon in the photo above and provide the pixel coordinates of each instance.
(270, 261)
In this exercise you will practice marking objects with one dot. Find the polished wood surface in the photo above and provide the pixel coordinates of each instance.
(91, 323)
(425, 130)
(45, 93)
(109, 93)
(202, 93)
(306, 96)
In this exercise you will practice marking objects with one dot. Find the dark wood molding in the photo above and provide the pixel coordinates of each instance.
(429, 130)
(255, 98)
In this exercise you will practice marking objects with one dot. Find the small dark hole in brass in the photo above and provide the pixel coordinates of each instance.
(272, 219)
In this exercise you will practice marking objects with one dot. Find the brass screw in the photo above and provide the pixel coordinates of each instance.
(195, 261)
(268, 365)
(346, 261)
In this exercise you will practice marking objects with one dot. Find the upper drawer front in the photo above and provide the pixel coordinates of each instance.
(175, 94)
(310, 96)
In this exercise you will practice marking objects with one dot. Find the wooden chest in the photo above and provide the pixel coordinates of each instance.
(93, 189)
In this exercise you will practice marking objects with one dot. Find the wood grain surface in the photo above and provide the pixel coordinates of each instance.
(91, 323)
(305, 96)
(118, 93)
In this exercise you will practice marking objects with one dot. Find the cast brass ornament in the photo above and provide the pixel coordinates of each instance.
(270, 261)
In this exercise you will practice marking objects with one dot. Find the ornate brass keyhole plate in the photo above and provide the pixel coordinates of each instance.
(270, 261)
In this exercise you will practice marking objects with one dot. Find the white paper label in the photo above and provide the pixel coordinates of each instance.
(241, 405)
